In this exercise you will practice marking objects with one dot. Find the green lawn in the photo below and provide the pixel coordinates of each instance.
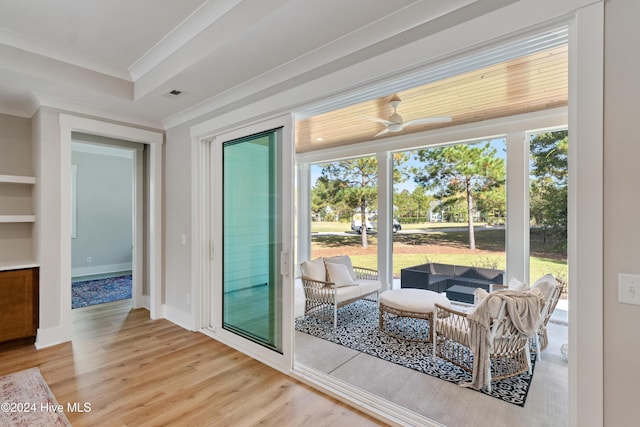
(323, 227)
(538, 266)
(413, 249)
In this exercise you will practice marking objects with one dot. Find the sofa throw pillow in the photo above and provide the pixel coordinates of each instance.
(546, 284)
(479, 294)
(339, 275)
(314, 269)
(343, 259)
(517, 285)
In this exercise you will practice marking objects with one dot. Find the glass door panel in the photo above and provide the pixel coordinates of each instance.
(252, 285)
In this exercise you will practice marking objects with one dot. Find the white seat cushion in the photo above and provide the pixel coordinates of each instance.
(339, 275)
(314, 269)
(346, 293)
(413, 300)
(368, 286)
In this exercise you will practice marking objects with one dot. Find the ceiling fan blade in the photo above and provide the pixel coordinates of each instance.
(382, 132)
(428, 120)
(378, 120)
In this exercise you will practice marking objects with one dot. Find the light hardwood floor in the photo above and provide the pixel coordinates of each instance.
(134, 371)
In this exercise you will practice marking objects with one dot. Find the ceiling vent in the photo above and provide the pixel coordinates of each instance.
(174, 93)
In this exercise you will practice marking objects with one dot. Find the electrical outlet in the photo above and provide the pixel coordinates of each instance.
(629, 288)
(188, 298)
(89, 260)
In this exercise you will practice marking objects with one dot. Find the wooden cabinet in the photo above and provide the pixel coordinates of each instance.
(18, 305)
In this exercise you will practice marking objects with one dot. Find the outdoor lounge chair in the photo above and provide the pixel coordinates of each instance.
(331, 283)
(508, 348)
(551, 290)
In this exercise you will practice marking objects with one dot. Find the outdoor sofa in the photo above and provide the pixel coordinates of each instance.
(441, 277)
(333, 282)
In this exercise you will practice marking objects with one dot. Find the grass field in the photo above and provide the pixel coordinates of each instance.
(447, 247)
(538, 266)
(324, 227)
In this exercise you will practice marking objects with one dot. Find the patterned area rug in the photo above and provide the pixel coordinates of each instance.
(358, 329)
(100, 291)
(27, 401)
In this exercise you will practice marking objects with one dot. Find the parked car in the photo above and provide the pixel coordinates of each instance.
(356, 224)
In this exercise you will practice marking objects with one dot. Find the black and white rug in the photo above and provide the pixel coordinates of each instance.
(358, 329)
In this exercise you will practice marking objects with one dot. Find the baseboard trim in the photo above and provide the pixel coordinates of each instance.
(100, 269)
(181, 318)
(50, 336)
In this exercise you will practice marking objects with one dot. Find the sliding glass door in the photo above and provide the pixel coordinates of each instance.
(251, 289)
(251, 205)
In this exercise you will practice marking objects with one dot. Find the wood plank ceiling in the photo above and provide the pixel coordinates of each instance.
(531, 83)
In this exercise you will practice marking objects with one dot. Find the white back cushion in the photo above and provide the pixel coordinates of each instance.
(546, 284)
(314, 269)
(517, 285)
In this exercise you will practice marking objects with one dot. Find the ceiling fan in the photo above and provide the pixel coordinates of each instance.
(395, 123)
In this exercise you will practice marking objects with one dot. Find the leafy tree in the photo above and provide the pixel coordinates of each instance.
(493, 203)
(460, 172)
(323, 196)
(404, 203)
(422, 201)
(355, 184)
(549, 174)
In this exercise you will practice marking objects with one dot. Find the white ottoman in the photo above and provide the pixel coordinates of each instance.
(414, 303)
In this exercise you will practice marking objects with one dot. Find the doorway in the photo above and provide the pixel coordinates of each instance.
(152, 214)
(247, 209)
(107, 193)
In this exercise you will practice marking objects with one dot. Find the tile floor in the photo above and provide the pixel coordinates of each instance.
(547, 402)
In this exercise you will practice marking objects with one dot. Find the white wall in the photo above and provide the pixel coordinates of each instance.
(104, 189)
(622, 210)
(46, 147)
(177, 214)
(15, 146)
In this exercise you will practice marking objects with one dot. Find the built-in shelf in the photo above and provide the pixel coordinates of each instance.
(17, 179)
(17, 218)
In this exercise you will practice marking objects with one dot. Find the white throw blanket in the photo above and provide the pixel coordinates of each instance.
(523, 310)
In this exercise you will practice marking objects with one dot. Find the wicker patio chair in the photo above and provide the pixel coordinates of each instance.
(551, 298)
(508, 351)
(323, 298)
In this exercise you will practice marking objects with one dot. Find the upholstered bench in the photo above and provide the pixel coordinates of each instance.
(409, 302)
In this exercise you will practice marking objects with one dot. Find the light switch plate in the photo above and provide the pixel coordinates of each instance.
(629, 288)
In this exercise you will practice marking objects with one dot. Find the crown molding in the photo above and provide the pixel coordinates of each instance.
(203, 17)
(36, 101)
(19, 41)
(14, 110)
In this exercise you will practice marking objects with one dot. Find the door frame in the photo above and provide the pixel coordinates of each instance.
(207, 239)
(154, 140)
